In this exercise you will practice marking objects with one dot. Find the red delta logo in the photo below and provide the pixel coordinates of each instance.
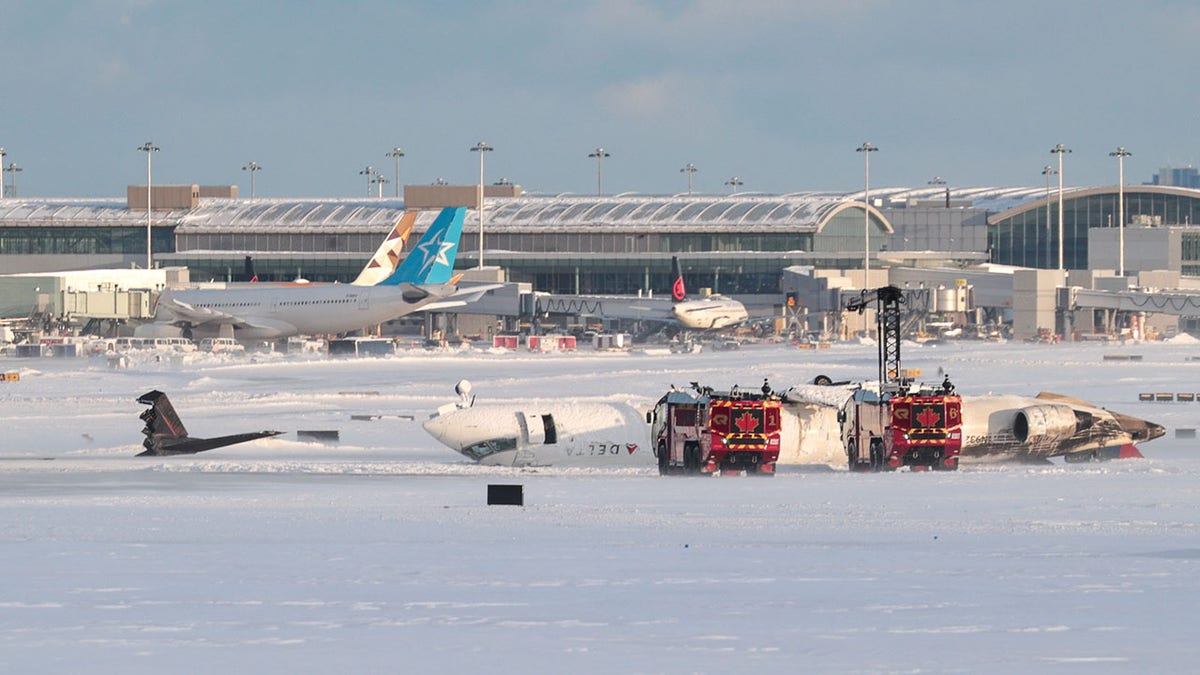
(746, 423)
(631, 448)
(928, 417)
(677, 290)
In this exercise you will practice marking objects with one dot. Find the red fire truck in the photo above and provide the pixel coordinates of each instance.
(888, 431)
(890, 427)
(706, 431)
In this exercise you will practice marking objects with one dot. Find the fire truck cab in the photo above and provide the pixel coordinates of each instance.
(705, 431)
(888, 430)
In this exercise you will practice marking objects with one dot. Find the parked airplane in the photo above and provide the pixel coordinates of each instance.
(711, 312)
(995, 428)
(708, 313)
(165, 434)
(268, 311)
(543, 433)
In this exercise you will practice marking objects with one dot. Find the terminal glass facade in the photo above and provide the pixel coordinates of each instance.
(66, 240)
(1029, 238)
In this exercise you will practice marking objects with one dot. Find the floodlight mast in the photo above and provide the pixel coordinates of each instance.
(1060, 150)
(149, 148)
(481, 147)
(1121, 153)
(599, 154)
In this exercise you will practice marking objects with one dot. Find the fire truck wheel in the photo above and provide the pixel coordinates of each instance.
(852, 454)
(664, 462)
(877, 461)
(691, 458)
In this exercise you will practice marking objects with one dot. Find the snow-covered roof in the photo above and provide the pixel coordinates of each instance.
(741, 212)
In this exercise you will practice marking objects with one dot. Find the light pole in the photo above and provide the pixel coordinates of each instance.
(599, 154)
(149, 148)
(253, 168)
(689, 170)
(379, 180)
(1121, 153)
(1060, 150)
(481, 148)
(3, 154)
(733, 184)
(866, 149)
(937, 180)
(396, 153)
(13, 169)
(1047, 172)
(369, 172)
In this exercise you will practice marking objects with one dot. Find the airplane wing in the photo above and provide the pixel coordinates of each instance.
(833, 395)
(166, 435)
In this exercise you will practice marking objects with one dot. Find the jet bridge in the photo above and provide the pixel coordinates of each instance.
(1174, 303)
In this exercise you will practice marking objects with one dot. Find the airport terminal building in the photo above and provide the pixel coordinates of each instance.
(620, 244)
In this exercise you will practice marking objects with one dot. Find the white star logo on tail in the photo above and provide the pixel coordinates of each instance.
(434, 252)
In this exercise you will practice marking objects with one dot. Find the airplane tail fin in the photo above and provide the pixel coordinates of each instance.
(387, 257)
(248, 264)
(162, 422)
(431, 261)
(678, 290)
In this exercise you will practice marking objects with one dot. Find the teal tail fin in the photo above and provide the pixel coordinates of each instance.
(431, 261)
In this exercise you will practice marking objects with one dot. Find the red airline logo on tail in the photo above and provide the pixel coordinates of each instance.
(677, 290)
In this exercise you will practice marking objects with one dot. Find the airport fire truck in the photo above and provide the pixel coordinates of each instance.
(896, 424)
(706, 431)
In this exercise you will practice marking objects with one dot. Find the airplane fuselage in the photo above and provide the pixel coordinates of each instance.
(541, 434)
(284, 310)
(709, 313)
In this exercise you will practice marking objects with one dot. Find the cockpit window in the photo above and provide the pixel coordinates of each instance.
(484, 448)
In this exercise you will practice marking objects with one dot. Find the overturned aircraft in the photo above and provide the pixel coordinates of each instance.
(607, 434)
(166, 435)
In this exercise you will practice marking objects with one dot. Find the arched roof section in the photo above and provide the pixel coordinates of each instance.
(876, 216)
(1080, 193)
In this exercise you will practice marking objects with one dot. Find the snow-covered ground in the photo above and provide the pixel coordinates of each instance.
(379, 553)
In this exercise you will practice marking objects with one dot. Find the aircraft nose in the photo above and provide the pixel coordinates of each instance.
(443, 429)
(1154, 431)
(1140, 429)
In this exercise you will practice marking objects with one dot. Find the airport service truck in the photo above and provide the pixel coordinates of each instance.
(706, 431)
(888, 427)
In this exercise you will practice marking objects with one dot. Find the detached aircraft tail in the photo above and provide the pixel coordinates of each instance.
(166, 435)
(431, 261)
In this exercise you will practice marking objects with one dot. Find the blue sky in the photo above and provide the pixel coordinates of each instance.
(777, 92)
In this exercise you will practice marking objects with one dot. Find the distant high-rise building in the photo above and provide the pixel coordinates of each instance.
(1187, 176)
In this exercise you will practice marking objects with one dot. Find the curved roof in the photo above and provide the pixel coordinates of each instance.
(265, 215)
(743, 212)
(1077, 193)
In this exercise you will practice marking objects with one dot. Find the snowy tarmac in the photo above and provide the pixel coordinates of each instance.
(378, 554)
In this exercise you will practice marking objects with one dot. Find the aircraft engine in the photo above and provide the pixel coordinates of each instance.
(1037, 424)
